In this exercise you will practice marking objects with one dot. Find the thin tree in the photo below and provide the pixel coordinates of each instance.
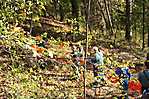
(61, 11)
(102, 12)
(127, 35)
(31, 21)
(75, 8)
(55, 4)
(148, 36)
(143, 34)
(108, 17)
(87, 32)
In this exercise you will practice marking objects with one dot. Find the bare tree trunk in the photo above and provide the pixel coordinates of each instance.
(148, 36)
(102, 12)
(127, 35)
(108, 17)
(86, 51)
(61, 11)
(143, 34)
(110, 11)
(55, 2)
(75, 8)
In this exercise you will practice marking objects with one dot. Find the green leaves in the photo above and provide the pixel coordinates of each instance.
(19, 11)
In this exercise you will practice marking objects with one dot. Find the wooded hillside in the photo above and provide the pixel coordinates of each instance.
(35, 52)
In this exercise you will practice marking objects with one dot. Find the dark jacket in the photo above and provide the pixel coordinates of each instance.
(144, 78)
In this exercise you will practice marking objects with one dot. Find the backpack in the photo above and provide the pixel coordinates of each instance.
(134, 87)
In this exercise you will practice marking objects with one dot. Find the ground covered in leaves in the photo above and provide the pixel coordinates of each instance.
(26, 71)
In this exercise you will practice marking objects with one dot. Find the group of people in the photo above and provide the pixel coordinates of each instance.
(143, 77)
(98, 60)
(138, 83)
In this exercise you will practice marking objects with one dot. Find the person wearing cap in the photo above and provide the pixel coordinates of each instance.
(97, 62)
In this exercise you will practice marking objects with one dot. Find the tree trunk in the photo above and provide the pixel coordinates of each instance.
(61, 12)
(127, 35)
(75, 8)
(86, 50)
(108, 17)
(55, 2)
(102, 12)
(143, 34)
(148, 36)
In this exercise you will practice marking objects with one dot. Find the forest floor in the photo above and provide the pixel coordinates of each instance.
(22, 81)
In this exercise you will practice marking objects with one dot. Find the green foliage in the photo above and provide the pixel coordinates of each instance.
(14, 42)
(22, 75)
(20, 71)
(19, 11)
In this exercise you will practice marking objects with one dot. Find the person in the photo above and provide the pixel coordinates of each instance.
(139, 67)
(77, 51)
(98, 56)
(134, 89)
(144, 79)
(73, 49)
(77, 56)
(97, 62)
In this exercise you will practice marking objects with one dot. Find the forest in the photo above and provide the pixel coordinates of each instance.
(38, 40)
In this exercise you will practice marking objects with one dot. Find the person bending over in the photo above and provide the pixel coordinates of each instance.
(144, 79)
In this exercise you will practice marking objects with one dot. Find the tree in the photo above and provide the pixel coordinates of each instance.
(127, 35)
(143, 34)
(55, 4)
(148, 36)
(108, 17)
(20, 12)
(75, 4)
(61, 11)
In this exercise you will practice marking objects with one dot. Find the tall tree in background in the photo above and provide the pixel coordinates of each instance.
(143, 34)
(102, 7)
(148, 37)
(61, 12)
(107, 10)
(75, 8)
(127, 35)
(55, 4)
